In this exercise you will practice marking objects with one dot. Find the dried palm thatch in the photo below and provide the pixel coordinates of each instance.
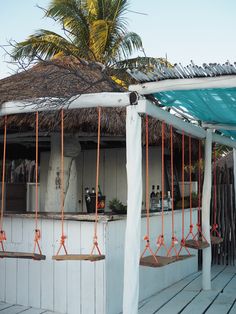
(61, 77)
(65, 77)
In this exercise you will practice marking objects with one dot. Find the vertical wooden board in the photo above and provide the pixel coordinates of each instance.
(11, 264)
(110, 188)
(115, 234)
(121, 176)
(11, 275)
(34, 272)
(47, 266)
(2, 279)
(23, 266)
(87, 270)
(60, 273)
(79, 166)
(154, 167)
(44, 164)
(99, 268)
(74, 269)
(17, 230)
(89, 170)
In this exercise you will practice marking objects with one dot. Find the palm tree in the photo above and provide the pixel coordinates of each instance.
(95, 30)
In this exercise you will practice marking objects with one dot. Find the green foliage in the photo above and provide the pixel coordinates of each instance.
(116, 206)
(95, 30)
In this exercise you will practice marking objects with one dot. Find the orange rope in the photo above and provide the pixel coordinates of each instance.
(215, 226)
(174, 240)
(183, 198)
(2, 232)
(160, 239)
(147, 236)
(62, 200)
(95, 238)
(37, 235)
(190, 192)
(199, 232)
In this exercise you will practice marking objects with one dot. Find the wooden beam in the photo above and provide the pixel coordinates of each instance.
(80, 101)
(225, 81)
(219, 126)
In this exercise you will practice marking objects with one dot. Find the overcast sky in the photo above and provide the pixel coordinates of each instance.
(199, 30)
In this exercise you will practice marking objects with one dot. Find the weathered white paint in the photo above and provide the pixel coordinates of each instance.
(52, 201)
(224, 81)
(206, 202)
(111, 99)
(134, 207)
(81, 287)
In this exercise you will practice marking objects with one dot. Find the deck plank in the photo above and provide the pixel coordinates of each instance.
(14, 309)
(165, 295)
(179, 294)
(4, 305)
(34, 311)
(222, 304)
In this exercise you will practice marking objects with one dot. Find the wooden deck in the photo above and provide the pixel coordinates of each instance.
(184, 297)
(187, 297)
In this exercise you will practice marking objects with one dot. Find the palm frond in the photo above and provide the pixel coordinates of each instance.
(44, 44)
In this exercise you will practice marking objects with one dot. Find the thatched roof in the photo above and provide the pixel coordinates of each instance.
(62, 77)
(65, 77)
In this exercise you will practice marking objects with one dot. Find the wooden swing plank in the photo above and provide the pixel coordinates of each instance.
(196, 244)
(22, 255)
(216, 240)
(149, 261)
(78, 257)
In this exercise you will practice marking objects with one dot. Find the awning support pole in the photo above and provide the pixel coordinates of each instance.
(134, 206)
(206, 203)
(234, 165)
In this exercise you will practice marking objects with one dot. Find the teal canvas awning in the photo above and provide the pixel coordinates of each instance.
(214, 106)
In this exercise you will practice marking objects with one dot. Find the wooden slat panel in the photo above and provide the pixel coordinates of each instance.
(47, 267)
(23, 268)
(110, 189)
(74, 269)
(34, 272)
(87, 270)
(100, 273)
(3, 280)
(60, 273)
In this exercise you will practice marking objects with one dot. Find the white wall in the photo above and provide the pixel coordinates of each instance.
(75, 287)
(113, 181)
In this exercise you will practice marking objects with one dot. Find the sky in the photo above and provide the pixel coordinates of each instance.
(184, 30)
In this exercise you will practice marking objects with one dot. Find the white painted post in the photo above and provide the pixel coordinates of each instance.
(206, 202)
(134, 202)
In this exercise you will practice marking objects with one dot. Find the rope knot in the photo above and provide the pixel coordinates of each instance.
(146, 238)
(174, 240)
(2, 236)
(63, 238)
(191, 228)
(182, 242)
(95, 240)
(37, 235)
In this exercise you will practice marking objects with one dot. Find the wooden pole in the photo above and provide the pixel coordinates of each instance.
(134, 206)
(206, 202)
(234, 163)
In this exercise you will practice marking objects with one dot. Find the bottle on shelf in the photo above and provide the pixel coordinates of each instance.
(158, 196)
(152, 198)
(169, 201)
(160, 201)
(99, 191)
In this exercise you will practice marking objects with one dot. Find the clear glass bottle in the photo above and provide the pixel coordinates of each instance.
(152, 198)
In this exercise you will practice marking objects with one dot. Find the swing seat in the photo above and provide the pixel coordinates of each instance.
(78, 257)
(22, 255)
(216, 240)
(196, 244)
(149, 261)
